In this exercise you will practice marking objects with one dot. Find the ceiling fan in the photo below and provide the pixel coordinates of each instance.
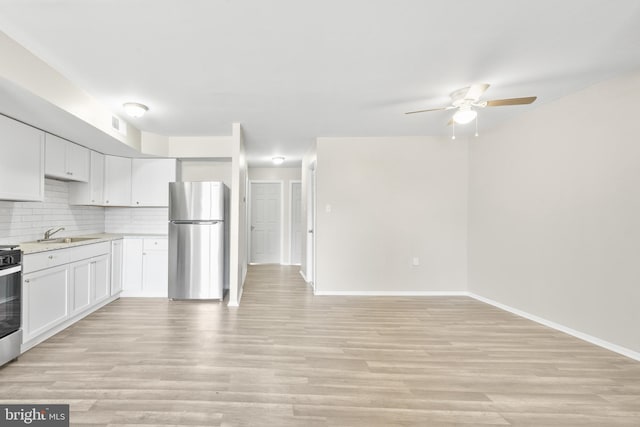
(467, 100)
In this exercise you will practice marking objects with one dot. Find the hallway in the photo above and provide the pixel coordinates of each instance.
(287, 358)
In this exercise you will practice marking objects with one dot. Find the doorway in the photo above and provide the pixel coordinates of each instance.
(311, 224)
(296, 223)
(265, 222)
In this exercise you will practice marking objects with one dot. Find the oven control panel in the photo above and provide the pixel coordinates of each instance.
(9, 258)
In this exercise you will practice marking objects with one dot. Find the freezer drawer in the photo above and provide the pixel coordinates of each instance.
(196, 260)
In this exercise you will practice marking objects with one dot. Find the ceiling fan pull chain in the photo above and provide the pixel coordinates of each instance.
(453, 127)
(476, 125)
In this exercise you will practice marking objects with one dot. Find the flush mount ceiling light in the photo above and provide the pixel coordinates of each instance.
(135, 109)
(277, 160)
(464, 115)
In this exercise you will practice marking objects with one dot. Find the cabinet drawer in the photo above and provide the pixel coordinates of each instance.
(159, 244)
(89, 251)
(41, 260)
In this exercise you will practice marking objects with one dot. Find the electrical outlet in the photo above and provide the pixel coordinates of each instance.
(415, 261)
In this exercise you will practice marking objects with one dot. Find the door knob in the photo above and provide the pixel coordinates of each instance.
(253, 228)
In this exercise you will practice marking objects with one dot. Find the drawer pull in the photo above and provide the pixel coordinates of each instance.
(27, 280)
(51, 256)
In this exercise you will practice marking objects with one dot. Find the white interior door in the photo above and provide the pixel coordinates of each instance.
(296, 223)
(265, 222)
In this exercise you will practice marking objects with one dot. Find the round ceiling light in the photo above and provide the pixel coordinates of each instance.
(277, 160)
(135, 109)
(464, 115)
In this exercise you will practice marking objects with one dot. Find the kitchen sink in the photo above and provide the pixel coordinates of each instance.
(66, 240)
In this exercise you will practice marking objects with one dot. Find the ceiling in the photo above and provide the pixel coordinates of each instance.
(292, 70)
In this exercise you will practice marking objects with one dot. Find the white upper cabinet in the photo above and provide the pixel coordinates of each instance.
(117, 181)
(120, 181)
(150, 181)
(65, 160)
(21, 161)
(91, 193)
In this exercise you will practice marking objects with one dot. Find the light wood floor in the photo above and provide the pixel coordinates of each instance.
(287, 358)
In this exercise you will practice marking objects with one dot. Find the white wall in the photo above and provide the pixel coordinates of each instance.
(555, 213)
(391, 199)
(237, 232)
(308, 161)
(285, 175)
(27, 221)
(205, 170)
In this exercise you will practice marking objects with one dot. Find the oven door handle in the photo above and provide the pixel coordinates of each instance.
(11, 270)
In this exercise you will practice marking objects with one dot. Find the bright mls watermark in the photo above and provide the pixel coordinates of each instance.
(34, 415)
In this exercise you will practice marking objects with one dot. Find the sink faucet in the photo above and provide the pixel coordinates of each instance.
(50, 232)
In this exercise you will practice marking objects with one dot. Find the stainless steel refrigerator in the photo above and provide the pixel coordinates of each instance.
(197, 240)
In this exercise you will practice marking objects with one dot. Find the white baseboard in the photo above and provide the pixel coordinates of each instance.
(237, 302)
(581, 335)
(393, 293)
(142, 294)
(303, 276)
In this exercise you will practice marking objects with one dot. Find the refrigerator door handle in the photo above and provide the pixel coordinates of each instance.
(196, 222)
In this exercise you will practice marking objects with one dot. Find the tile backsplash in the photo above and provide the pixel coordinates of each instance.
(137, 220)
(27, 221)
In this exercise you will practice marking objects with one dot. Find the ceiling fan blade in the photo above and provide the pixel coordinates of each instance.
(511, 101)
(433, 109)
(475, 91)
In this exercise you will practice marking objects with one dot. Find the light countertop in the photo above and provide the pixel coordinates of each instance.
(35, 247)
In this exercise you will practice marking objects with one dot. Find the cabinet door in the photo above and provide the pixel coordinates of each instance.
(117, 181)
(155, 272)
(21, 161)
(55, 164)
(78, 161)
(100, 276)
(96, 179)
(150, 180)
(46, 300)
(116, 267)
(90, 193)
(81, 279)
(132, 267)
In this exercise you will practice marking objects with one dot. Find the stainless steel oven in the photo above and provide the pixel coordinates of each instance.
(10, 303)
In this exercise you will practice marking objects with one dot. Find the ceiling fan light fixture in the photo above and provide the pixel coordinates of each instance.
(135, 109)
(464, 115)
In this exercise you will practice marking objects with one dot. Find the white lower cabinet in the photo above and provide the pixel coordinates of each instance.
(89, 282)
(145, 267)
(80, 286)
(155, 273)
(45, 300)
(100, 275)
(116, 266)
(61, 286)
(132, 268)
